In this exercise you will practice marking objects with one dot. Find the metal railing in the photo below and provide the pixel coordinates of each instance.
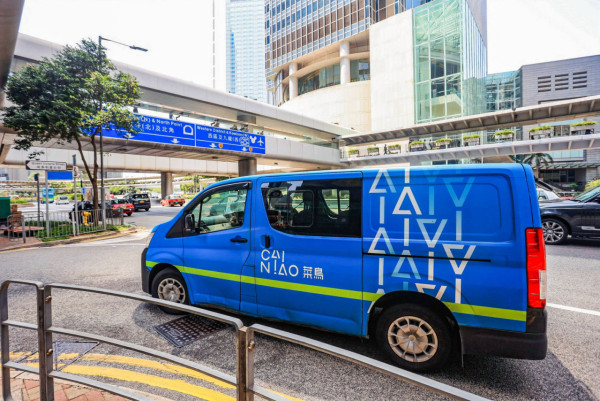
(58, 224)
(245, 343)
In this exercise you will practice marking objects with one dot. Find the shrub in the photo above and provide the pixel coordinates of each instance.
(395, 146)
(583, 123)
(504, 132)
(474, 136)
(592, 184)
(442, 140)
(352, 152)
(372, 149)
(414, 143)
(542, 128)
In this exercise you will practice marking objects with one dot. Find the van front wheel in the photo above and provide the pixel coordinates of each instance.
(414, 337)
(168, 285)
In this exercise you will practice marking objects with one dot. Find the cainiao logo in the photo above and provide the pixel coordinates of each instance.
(188, 130)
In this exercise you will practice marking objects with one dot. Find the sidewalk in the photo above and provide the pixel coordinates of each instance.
(7, 244)
(26, 387)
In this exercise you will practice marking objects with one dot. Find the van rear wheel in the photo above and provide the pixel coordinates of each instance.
(414, 337)
(168, 285)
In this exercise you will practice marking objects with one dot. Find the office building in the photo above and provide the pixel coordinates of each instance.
(245, 49)
(377, 64)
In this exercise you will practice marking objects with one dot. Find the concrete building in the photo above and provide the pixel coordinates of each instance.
(245, 49)
(564, 80)
(373, 65)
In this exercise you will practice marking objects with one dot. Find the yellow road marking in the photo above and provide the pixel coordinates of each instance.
(179, 386)
(139, 362)
(145, 363)
(18, 250)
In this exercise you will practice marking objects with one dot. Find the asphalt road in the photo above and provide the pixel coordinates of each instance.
(571, 370)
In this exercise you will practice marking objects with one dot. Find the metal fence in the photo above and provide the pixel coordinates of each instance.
(245, 342)
(59, 224)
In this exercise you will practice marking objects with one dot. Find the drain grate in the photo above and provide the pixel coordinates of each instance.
(188, 329)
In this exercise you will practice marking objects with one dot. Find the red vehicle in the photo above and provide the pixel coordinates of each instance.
(172, 200)
(123, 204)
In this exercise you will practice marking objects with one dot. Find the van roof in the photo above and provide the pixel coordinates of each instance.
(487, 166)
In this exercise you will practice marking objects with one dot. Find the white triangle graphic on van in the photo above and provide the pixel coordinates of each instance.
(375, 190)
(431, 242)
(406, 255)
(458, 269)
(381, 233)
(459, 201)
(406, 191)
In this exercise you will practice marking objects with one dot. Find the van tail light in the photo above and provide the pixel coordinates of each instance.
(536, 268)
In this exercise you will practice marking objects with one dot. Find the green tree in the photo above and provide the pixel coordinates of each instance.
(537, 160)
(70, 97)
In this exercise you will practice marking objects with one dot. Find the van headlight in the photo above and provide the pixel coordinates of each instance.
(149, 238)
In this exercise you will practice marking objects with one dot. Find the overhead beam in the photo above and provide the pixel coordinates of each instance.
(530, 115)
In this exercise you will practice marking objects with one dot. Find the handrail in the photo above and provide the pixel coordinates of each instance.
(245, 345)
(404, 375)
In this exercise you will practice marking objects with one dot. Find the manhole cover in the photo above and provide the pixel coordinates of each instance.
(188, 329)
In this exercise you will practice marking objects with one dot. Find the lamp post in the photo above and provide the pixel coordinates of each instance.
(102, 194)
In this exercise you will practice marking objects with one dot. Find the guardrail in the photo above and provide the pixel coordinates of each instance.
(59, 224)
(244, 340)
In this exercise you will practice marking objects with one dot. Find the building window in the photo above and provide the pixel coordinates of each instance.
(359, 70)
(322, 78)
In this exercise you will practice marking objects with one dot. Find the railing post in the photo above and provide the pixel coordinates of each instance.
(240, 353)
(23, 230)
(4, 345)
(249, 363)
(45, 351)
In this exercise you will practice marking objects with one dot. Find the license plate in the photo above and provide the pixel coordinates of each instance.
(142, 201)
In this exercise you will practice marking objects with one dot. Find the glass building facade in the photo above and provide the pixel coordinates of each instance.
(503, 91)
(450, 61)
(294, 28)
(245, 49)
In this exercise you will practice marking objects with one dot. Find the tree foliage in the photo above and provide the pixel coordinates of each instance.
(70, 98)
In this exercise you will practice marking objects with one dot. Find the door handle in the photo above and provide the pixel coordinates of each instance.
(267, 241)
(239, 239)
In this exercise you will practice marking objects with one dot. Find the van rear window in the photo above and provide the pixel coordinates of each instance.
(318, 207)
(140, 196)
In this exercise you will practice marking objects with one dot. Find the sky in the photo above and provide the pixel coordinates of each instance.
(178, 33)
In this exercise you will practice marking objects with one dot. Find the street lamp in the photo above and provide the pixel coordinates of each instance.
(102, 194)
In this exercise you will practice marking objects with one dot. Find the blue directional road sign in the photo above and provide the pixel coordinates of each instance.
(162, 130)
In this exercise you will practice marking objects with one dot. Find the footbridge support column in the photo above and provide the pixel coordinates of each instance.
(247, 167)
(166, 184)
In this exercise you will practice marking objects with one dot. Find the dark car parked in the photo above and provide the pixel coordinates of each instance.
(578, 217)
(139, 201)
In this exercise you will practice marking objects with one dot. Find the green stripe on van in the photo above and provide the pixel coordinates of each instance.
(349, 294)
(487, 311)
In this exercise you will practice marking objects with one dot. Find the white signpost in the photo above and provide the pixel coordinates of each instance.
(47, 166)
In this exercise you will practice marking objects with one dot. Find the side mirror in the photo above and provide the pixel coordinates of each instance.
(190, 224)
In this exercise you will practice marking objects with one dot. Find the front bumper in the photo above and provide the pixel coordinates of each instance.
(145, 273)
(532, 344)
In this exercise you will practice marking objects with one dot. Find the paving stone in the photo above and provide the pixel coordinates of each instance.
(60, 396)
(74, 392)
(29, 384)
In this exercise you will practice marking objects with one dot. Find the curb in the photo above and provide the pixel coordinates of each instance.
(75, 240)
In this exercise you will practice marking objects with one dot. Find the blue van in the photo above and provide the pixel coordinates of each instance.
(425, 260)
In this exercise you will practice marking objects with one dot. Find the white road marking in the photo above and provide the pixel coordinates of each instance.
(573, 309)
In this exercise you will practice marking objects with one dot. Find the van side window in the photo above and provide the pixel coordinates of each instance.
(329, 208)
(221, 210)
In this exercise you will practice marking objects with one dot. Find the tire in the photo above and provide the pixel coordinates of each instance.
(146, 209)
(414, 322)
(128, 214)
(555, 231)
(170, 286)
